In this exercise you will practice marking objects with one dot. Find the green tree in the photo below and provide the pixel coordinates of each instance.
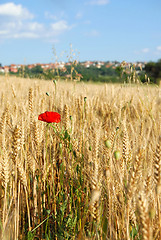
(37, 70)
(153, 70)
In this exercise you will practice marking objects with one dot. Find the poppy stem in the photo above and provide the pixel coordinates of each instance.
(55, 131)
(47, 160)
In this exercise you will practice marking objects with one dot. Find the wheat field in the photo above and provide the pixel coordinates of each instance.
(94, 175)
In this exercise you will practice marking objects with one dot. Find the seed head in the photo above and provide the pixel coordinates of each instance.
(117, 155)
(108, 143)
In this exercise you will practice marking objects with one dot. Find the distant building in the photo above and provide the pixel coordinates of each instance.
(6, 69)
(1, 69)
(31, 66)
(13, 68)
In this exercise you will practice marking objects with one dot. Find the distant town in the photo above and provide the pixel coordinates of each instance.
(13, 68)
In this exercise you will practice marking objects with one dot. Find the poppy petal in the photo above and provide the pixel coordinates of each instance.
(50, 117)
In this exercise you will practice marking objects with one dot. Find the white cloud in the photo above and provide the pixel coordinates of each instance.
(21, 29)
(98, 2)
(159, 48)
(60, 26)
(12, 10)
(17, 22)
(3, 32)
(145, 50)
(35, 26)
(25, 35)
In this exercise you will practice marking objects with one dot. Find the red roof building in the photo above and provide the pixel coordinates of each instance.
(13, 68)
(6, 69)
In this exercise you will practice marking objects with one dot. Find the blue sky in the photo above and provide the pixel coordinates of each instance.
(97, 29)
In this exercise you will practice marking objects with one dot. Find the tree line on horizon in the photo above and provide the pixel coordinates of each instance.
(152, 71)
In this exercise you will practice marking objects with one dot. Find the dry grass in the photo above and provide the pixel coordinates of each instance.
(66, 183)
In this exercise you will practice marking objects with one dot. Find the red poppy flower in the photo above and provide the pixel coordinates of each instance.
(50, 117)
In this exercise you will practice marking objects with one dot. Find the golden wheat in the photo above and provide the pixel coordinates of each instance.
(119, 195)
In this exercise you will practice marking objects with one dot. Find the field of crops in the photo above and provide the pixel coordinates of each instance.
(94, 175)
